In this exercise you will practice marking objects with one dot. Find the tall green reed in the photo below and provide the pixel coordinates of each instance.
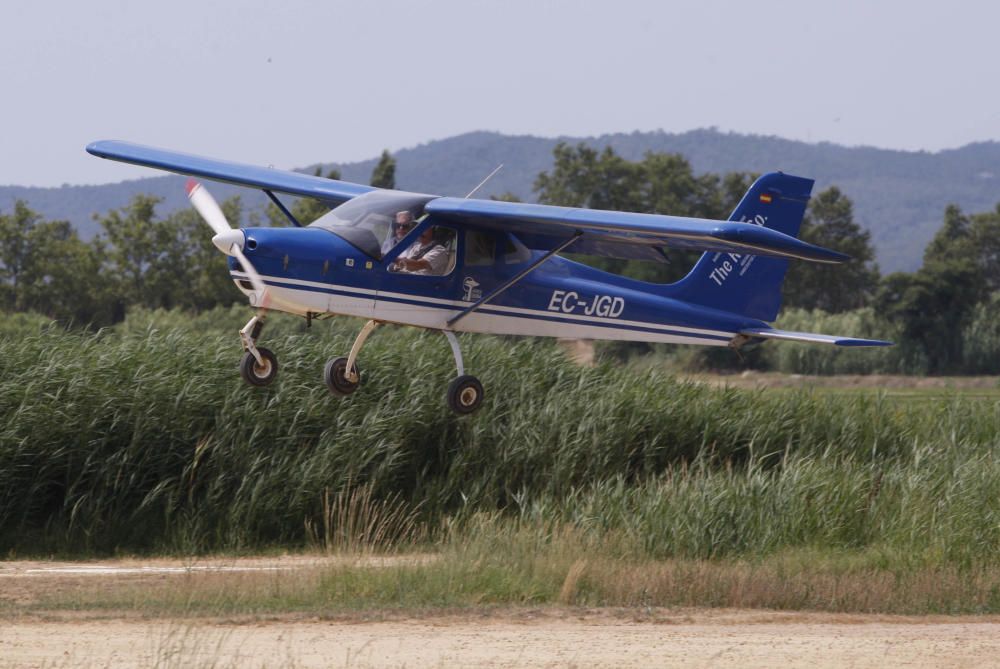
(143, 437)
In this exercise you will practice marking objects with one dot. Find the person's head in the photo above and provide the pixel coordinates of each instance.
(427, 236)
(404, 223)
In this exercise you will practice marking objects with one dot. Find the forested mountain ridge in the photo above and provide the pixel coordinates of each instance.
(899, 195)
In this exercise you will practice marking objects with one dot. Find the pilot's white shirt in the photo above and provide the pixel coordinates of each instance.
(437, 257)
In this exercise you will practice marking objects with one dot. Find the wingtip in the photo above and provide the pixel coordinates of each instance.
(840, 257)
(825, 255)
(94, 149)
(850, 342)
(774, 242)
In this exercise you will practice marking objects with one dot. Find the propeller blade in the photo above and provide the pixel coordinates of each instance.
(206, 205)
(226, 236)
(255, 280)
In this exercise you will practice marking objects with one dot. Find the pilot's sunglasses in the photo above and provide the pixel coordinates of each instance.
(404, 226)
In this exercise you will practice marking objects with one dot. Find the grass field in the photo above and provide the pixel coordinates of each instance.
(592, 486)
(933, 389)
(509, 569)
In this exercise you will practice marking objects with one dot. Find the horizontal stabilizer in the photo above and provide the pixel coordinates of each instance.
(812, 338)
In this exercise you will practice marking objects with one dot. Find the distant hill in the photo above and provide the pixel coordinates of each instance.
(899, 195)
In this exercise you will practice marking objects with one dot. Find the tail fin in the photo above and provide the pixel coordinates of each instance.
(746, 284)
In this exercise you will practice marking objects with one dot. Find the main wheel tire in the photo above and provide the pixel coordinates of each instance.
(465, 394)
(255, 373)
(335, 376)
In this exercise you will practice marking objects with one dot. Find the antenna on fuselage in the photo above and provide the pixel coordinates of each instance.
(483, 182)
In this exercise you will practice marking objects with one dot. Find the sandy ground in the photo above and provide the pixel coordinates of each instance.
(693, 639)
(557, 637)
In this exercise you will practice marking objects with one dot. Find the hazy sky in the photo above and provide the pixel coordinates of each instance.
(291, 83)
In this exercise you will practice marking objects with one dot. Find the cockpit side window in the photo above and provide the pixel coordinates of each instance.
(515, 252)
(480, 248)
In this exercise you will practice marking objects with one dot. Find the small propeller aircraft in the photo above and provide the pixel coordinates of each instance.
(467, 265)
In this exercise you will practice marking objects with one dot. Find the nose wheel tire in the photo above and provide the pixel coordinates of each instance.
(465, 394)
(335, 376)
(259, 373)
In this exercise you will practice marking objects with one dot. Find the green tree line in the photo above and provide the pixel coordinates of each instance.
(943, 316)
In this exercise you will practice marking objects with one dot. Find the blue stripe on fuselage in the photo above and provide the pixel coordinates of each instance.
(537, 315)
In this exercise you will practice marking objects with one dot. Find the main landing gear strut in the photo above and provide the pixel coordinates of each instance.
(259, 367)
(342, 375)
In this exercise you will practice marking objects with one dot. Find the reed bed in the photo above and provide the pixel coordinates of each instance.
(143, 438)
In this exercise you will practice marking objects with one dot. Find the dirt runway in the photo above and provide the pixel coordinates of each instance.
(739, 639)
(551, 637)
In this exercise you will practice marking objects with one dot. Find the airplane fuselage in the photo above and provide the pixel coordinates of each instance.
(314, 271)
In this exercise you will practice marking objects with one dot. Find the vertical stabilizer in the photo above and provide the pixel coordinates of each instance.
(746, 284)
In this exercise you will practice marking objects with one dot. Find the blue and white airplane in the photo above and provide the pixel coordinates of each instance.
(467, 265)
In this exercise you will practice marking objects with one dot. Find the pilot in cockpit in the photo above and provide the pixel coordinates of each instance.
(402, 226)
(427, 255)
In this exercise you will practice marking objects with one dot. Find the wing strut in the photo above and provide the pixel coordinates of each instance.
(288, 214)
(510, 282)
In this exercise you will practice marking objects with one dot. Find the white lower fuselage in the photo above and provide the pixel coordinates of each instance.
(302, 297)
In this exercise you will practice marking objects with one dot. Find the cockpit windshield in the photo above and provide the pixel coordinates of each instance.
(367, 221)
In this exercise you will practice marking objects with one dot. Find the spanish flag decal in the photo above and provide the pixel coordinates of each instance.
(765, 198)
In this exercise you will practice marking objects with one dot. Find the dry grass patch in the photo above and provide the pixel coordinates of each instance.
(519, 566)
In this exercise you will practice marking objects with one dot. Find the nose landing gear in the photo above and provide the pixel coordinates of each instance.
(259, 365)
(259, 372)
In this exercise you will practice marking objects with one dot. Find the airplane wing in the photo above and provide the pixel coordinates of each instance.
(280, 181)
(542, 226)
(812, 338)
(607, 233)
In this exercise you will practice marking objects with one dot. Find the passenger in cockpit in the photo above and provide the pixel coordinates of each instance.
(404, 223)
